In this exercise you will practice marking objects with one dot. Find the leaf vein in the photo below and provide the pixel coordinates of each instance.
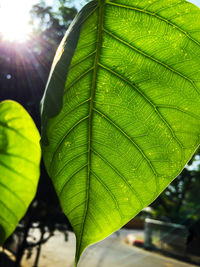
(134, 144)
(64, 166)
(74, 195)
(4, 220)
(82, 60)
(14, 130)
(154, 106)
(63, 139)
(80, 204)
(70, 111)
(16, 156)
(179, 109)
(120, 175)
(69, 179)
(109, 192)
(77, 80)
(158, 17)
(16, 172)
(9, 210)
(153, 59)
(13, 193)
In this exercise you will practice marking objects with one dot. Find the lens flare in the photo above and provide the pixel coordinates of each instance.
(14, 19)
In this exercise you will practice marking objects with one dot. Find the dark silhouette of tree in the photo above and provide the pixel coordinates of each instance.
(24, 70)
(180, 202)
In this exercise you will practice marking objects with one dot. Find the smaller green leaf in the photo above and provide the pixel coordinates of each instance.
(20, 155)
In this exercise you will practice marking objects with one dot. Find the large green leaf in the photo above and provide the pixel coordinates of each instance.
(121, 113)
(19, 165)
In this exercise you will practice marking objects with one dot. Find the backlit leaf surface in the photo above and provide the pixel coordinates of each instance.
(121, 110)
(19, 165)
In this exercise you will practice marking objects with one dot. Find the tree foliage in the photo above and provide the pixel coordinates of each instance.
(180, 202)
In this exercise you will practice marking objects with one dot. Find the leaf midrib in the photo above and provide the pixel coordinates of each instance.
(91, 109)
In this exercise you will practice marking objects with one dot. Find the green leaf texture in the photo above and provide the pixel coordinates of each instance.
(19, 165)
(130, 117)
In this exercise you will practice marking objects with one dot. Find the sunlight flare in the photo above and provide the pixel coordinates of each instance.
(14, 19)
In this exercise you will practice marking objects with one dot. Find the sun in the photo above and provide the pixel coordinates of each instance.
(14, 19)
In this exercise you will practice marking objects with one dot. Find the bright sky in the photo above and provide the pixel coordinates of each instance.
(197, 2)
(14, 17)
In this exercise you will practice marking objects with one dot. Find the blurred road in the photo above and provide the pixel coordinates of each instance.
(112, 252)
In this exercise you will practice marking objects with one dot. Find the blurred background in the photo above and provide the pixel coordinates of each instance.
(165, 234)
